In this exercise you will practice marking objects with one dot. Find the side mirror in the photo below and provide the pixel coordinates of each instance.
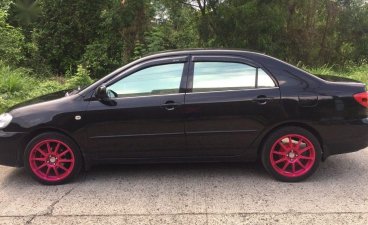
(101, 93)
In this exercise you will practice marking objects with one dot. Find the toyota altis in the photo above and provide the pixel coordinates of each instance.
(190, 106)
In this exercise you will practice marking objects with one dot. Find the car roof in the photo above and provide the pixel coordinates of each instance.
(205, 51)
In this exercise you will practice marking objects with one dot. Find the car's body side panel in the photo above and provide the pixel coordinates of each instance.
(136, 127)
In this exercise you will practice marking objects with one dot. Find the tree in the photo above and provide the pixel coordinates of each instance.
(23, 14)
(64, 29)
(352, 27)
(11, 41)
(105, 34)
(173, 27)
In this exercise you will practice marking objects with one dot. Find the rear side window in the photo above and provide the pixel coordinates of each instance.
(264, 81)
(222, 76)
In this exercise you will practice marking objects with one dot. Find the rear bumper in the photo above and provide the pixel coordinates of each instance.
(350, 136)
(10, 148)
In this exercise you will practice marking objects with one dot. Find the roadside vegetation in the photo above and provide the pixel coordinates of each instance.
(46, 46)
(18, 85)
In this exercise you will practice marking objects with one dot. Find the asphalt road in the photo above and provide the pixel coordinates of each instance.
(191, 194)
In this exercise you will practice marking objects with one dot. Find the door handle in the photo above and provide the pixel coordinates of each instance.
(262, 99)
(170, 105)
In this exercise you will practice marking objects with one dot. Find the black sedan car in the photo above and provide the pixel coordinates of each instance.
(190, 106)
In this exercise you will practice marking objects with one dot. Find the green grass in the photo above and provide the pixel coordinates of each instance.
(18, 85)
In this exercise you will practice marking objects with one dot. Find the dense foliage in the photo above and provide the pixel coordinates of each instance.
(67, 38)
(104, 34)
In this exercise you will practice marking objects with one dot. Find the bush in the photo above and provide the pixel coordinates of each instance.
(18, 85)
(80, 79)
(14, 85)
(11, 43)
(102, 57)
(13, 81)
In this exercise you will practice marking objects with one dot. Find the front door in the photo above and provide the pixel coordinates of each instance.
(144, 115)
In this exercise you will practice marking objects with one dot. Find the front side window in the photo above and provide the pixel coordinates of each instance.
(155, 80)
(222, 76)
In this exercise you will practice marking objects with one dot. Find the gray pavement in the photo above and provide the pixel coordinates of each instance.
(191, 194)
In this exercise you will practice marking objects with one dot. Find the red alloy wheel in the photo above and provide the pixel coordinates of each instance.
(51, 160)
(292, 155)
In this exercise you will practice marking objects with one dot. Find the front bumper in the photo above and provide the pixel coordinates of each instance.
(10, 148)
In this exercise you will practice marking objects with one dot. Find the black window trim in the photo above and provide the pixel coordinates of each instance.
(230, 59)
(150, 63)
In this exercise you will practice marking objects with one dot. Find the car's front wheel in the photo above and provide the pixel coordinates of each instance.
(52, 158)
(291, 154)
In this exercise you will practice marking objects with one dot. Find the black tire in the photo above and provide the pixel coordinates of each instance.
(72, 159)
(290, 154)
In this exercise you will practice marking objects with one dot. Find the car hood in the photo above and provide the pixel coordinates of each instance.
(40, 99)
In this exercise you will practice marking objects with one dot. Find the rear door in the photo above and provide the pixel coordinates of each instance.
(229, 101)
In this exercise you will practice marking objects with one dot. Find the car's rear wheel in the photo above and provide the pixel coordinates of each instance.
(291, 154)
(53, 158)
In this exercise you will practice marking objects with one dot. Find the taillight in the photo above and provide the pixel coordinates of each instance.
(362, 98)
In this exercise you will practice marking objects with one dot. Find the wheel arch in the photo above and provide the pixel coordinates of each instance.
(293, 124)
(35, 133)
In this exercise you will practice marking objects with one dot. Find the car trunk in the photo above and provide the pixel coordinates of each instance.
(349, 94)
(333, 78)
